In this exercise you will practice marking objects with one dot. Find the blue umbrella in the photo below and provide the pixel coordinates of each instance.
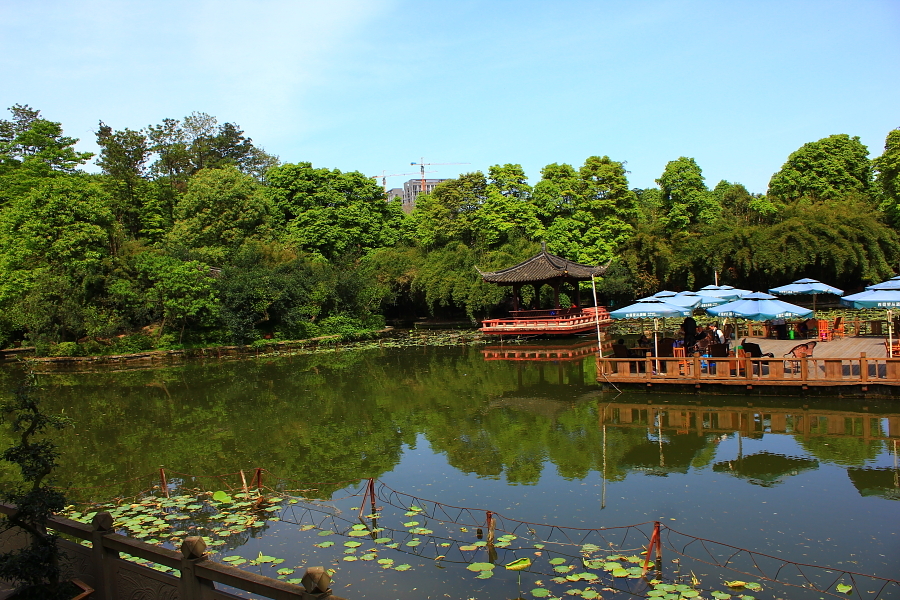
(880, 298)
(704, 300)
(806, 286)
(651, 308)
(760, 307)
(891, 284)
(678, 299)
(722, 291)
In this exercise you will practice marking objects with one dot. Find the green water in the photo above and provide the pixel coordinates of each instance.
(810, 480)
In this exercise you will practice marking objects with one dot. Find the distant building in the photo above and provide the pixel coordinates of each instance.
(411, 190)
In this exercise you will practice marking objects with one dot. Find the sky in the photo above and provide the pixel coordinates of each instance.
(374, 85)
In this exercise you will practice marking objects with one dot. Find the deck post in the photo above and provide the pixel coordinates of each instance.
(863, 367)
(804, 369)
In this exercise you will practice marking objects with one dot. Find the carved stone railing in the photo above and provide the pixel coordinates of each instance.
(101, 567)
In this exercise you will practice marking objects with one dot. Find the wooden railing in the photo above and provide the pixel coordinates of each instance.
(547, 324)
(112, 577)
(801, 372)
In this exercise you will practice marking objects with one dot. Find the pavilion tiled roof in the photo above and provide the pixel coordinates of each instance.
(543, 266)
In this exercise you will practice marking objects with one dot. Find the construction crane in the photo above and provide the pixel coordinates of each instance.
(422, 169)
(384, 177)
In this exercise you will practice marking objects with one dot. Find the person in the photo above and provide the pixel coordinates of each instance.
(679, 338)
(716, 334)
(690, 332)
(780, 328)
(644, 341)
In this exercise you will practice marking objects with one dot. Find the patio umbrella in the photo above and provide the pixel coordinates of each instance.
(806, 286)
(891, 284)
(674, 298)
(758, 306)
(880, 298)
(651, 308)
(705, 300)
(722, 291)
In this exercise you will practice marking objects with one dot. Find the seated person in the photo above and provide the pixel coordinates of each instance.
(754, 350)
(644, 341)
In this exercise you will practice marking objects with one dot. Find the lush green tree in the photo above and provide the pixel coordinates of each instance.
(331, 213)
(685, 200)
(184, 147)
(887, 181)
(588, 214)
(221, 209)
(32, 149)
(123, 158)
(824, 170)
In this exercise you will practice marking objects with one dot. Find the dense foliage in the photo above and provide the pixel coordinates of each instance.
(192, 234)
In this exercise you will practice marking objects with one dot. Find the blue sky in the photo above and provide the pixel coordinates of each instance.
(373, 85)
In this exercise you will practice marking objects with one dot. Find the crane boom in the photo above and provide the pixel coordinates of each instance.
(384, 177)
(422, 165)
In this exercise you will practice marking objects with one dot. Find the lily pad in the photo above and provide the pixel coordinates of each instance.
(382, 540)
(352, 544)
(540, 592)
(480, 566)
(519, 564)
(844, 588)
(736, 584)
(485, 575)
(754, 587)
(557, 561)
(402, 568)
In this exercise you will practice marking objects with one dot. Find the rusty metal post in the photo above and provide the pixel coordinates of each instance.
(258, 477)
(490, 527)
(164, 484)
(654, 542)
(372, 495)
(244, 483)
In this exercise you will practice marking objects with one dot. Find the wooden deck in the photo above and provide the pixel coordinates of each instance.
(549, 324)
(856, 361)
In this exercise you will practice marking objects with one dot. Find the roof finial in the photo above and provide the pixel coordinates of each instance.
(543, 246)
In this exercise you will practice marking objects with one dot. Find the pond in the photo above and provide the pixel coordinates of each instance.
(448, 433)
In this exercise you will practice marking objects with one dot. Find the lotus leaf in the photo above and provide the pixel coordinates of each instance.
(590, 548)
(620, 572)
(563, 568)
(519, 564)
(595, 563)
(480, 566)
(721, 595)
(539, 546)
(611, 566)
(574, 592)
(368, 557)
(655, 593)
(382, 540)
(353, 544)
(402, 568)
(754, 587)
(589, 576)
(736, 584)
(468, 548)
(295, 581)
(411, 524)
(285, 571)
(485, 575)
(502, 544)
(350, 558)
(690, 594)
(590, 594)
(394, 545)
(327, 544)
(413, 543)
(666, 587)
(540, 592)
(350, 551)
(358, 533)
(844, 588)
(385, 561)
(221, 496)
(557, 561)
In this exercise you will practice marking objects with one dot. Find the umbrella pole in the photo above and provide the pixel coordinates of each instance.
(656, 342)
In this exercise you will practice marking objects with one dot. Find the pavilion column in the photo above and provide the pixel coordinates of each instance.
(516, 290)
(556, 294)
(577, 295)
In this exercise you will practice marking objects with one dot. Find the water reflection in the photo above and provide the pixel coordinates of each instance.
(343, 417)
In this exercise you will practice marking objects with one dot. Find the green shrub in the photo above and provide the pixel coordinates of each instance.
(65, 349)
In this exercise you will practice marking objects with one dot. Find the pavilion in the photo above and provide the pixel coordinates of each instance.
(544, 269)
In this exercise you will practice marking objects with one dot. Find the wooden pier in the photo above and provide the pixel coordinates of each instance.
(858, 361)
